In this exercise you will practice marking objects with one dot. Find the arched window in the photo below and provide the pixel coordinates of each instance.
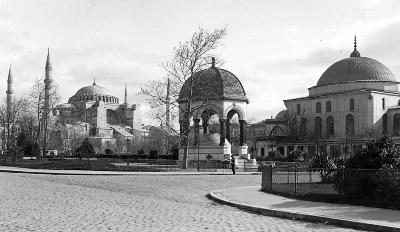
(383, 104)
(396, 124)
(318, 127)
(351, 104)
(298, 109)
(328, 106)
(318, 107)
(330, 127)
(349, 125)
(384, 124)
(303, 126)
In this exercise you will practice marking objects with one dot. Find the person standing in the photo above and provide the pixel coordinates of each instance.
(233, 164)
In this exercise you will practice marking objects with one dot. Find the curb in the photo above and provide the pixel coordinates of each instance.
(110, 173)
(304, 217)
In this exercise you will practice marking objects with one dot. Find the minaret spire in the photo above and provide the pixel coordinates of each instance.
(355, 53)
(47, 83)
(94, 80)
(355, 42)
(10, 90)
(126, 94)
(48, 63)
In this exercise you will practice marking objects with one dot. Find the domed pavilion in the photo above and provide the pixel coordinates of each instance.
(355, 98)
(213, 91)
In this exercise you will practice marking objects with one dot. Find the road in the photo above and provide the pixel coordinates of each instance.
(32, 202)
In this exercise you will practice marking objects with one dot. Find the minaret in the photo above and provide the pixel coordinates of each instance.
(9, 91)
(168, 102)
(46, 110)
(47, 86)
(9, 105)
(126, 94)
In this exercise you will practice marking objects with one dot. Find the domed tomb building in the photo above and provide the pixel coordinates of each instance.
(355, 98)
(100, 116)
(214, 91)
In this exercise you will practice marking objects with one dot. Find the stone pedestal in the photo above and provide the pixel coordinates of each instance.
(243, 152)
(207, 152)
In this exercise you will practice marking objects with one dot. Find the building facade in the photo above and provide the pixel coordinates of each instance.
(355, 99)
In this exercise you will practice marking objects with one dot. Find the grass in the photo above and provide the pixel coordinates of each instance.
(95, 165)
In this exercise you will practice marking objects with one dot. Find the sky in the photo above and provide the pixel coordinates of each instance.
(278, 49)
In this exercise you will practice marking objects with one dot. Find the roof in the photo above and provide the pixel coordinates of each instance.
(66, 105)
(356, 68)
(92, 90)
(213, 83)
(121, 131)
(281, 115)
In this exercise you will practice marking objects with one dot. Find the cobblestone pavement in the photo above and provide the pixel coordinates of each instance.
(130, 203)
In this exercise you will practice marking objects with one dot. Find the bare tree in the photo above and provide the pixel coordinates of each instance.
(37, 99)
(189, 58)
(12, 121)
(120, 144)
(66, 137)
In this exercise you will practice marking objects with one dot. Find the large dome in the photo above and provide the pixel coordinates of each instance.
(92, 90)
(92, 93)
(356, 69)
(213, 83)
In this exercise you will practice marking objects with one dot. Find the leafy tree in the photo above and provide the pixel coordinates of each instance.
(24, 145)
(86, 149)
(35, 150)
(380, 153)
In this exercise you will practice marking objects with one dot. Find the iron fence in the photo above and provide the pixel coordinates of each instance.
(369, 187)
(119, 164)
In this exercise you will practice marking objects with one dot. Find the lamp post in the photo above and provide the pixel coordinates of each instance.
(127, 152)
(198, 157)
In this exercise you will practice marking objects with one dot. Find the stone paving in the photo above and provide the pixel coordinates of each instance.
(30, 202)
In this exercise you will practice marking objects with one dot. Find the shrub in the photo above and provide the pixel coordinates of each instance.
(381, 153)
(380, 185)
(294, 156)
(325, 165)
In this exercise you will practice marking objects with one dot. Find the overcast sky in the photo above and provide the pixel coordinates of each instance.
(278, 49)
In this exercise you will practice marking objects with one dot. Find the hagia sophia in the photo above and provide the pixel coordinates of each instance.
(91, 112)
(105, 116)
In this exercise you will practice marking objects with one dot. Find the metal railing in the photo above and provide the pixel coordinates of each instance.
(356, 186)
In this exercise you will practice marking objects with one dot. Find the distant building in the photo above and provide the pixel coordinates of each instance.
(354, 99)
(101, 115)
(92, 112)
